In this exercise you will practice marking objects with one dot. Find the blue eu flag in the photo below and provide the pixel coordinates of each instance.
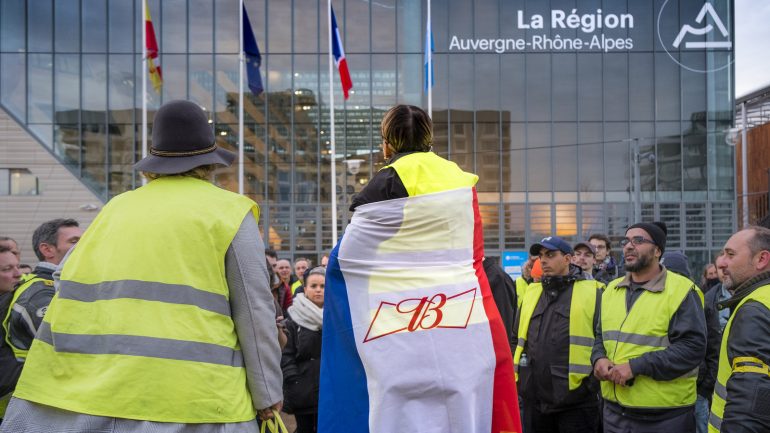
(253, 58)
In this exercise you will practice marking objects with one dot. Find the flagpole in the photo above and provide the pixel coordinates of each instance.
(144, 83)
(240, 100)
(332, 150)
(429, 46)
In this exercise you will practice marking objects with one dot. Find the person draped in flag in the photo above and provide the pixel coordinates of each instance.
(412, 338)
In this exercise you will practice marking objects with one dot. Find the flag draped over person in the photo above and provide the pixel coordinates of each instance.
(413, 340)
(253, 57)
(339, 57)
(156, 75)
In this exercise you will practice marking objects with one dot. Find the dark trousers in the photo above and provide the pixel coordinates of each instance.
(616, 421)
(578, 420)
(307, 423)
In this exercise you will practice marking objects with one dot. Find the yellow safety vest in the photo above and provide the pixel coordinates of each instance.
(19, 352)
(141, 326)
(743, 364)
(294, 286)
(426, 173)
(630, 334)
(581, 328)
(521, 290)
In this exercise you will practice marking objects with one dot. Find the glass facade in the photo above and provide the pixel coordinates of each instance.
(554, 116)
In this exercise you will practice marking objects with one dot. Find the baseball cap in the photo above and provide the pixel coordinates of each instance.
(588, 245)
(553, 243)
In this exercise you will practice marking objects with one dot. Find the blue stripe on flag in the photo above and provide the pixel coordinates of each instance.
(343, 401)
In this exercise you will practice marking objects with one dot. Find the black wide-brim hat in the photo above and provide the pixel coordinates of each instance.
(182, 139)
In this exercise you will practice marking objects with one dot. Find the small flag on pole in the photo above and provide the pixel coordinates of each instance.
(428, 60)
(339, 57)
(156, 75)
(253, 57)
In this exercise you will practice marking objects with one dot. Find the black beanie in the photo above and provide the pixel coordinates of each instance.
(657, 231)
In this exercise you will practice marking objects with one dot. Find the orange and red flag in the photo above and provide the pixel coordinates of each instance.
(156, 76)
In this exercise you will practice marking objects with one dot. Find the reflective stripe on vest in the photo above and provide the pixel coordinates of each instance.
(743, 364)
(521, 290)
(630, 334)
(141, 327)
(294, 286)
(18, 351)
(581, 328)
(426, 173)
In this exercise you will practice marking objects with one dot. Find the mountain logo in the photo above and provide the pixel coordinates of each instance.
(707, 9)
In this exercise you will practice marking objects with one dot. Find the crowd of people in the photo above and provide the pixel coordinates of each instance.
(169, 316)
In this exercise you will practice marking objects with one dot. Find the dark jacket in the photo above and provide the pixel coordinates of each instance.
(301, 365)
(544, 383)
(707, 372)
(34, 301)
(504, 293)
(748, 402)
(607, 270)
(10, 368)
(384, 185)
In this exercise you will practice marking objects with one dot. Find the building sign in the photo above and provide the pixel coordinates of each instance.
(705, 31)
(574, 30)
(513, 262)
(589, 24)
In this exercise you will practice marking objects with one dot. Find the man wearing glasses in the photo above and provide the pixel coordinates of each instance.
(650, 340)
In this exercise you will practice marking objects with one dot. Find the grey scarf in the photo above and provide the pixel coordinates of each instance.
(305, 313)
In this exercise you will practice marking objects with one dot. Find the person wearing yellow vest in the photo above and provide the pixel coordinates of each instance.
(649, 341)
(10, 368)
(51, 241)
(163, 320)
(555, 329)
(741, 399)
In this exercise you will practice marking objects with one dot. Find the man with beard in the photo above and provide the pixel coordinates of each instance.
(741, 400)
(649, 341)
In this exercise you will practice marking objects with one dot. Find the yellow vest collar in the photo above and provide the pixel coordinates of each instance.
(656, 284)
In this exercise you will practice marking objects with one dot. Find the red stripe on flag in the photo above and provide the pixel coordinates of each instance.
(152, 43)
(505, 401)
(347, 83)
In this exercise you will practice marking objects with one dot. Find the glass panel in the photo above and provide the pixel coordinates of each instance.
(67, 145)
(121, 91)
(616, 86)
(589, 87)
(490, 218)
(279, 33)
(539, 157)
(5, 181)
(173, 34)
(592, 216)
(383, 23)
(306, 218)
(23, 182)
(722, 217)
(94, 95)
(121, 26)
(175, 76)
(696, 225)
(67, 85)
(566, 222)
(539, 87)
(512, 95)
(200, 29)
(279, 232)
(201, 80)
(515, 226)
(12, 26)
(226, 88)
(670, 214)
(565, 87)
(666, 84)
(13, 84)
(66, 20)
(355, 36)
(565, 156)
(41, 94)
(40, 25)
(94, 26)
(488, 151)
(227, 27)
(121, 157)
(641, 91)
(307, 39)
(461, 142)
(540, 221)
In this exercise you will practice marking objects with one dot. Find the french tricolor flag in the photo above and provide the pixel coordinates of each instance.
(339, 57)
(412, 338)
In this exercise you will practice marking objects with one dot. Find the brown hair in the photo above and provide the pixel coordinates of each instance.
(406, 128)
(202, 172)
